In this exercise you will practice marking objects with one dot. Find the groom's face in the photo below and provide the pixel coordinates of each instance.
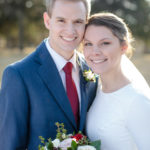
(66, 25)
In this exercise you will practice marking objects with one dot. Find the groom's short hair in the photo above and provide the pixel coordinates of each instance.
(50, 5)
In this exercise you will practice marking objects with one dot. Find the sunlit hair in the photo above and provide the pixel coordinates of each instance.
(50, 5)
(118, 27)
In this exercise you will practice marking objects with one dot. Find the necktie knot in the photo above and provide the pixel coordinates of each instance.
(68, 68)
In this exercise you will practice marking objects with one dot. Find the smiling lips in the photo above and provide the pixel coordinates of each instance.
(99, 61)
(68, 39)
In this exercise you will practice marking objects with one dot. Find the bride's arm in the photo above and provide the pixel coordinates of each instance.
(138, 122)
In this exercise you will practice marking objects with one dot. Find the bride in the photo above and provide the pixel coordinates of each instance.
(120, 113)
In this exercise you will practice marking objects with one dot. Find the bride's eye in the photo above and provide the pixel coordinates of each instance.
(87, 44)
(105, 43)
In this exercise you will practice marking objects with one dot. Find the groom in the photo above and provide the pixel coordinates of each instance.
(47, 86)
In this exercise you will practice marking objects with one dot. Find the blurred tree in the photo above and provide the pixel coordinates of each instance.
(21, 22)
(17, 18)
(13, 14)
(136, 14)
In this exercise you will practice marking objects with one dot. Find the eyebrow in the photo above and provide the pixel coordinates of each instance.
(100, 40)
(60, 18)
(78, 19)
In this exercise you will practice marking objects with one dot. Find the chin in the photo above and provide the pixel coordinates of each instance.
(69, 48)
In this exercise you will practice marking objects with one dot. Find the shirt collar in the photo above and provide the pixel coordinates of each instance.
(58, 59)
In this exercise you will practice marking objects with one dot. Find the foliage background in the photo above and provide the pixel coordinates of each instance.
(21, 22)
(22, 27)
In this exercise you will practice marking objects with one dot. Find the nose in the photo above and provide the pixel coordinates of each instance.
(97, 50)
(70, 29)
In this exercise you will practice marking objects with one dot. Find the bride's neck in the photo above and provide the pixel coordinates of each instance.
(113, 81)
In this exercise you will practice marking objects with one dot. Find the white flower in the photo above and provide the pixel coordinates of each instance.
(89, 75)
(86, 147)
(45, 148)
(63, 135)
(65, 144)
(56, 143)
(69, 135)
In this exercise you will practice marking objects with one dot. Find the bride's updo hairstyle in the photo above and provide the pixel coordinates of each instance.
(116, 25)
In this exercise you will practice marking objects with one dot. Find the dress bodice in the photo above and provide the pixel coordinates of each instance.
(114, 120)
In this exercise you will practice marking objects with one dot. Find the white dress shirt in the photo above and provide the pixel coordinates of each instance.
(61, 62)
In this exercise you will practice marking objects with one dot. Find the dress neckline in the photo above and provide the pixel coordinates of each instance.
(119, 91)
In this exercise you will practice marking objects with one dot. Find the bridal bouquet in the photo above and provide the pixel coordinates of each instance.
(64, 141)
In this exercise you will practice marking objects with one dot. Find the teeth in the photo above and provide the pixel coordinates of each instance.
(68, 39)
(98, 61)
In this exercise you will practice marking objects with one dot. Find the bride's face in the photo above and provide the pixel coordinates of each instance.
(102, 50)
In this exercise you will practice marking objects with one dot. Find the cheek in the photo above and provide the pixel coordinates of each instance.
(112, 51)
(80, 30)
(55, 27)
(86, 53)
(115, 58)
(55, 31)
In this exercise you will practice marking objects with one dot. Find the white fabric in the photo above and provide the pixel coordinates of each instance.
(121, 120)
(61, 62)
(134, 75)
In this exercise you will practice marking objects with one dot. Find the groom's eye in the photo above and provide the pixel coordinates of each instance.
(61, 20)
(79, 21)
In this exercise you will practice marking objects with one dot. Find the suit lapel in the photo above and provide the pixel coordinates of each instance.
(83, 90)
(84, 102)
(88, 91)
(50, 76)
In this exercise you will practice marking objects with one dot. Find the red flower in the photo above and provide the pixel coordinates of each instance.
(77, 136)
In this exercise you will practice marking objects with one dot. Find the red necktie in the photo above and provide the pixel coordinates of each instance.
(72, 91)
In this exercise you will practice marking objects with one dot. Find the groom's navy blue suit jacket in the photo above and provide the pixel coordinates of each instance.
(33, 99)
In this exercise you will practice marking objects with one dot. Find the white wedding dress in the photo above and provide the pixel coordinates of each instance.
(121, 119)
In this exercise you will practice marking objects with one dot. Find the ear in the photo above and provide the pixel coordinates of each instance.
(46, 20)
(124, 47)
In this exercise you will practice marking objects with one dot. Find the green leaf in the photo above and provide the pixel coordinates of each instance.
(42, 139)
(49, 145)
(69, 148)
(41, 147)
(74, 145)
(96, 144)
